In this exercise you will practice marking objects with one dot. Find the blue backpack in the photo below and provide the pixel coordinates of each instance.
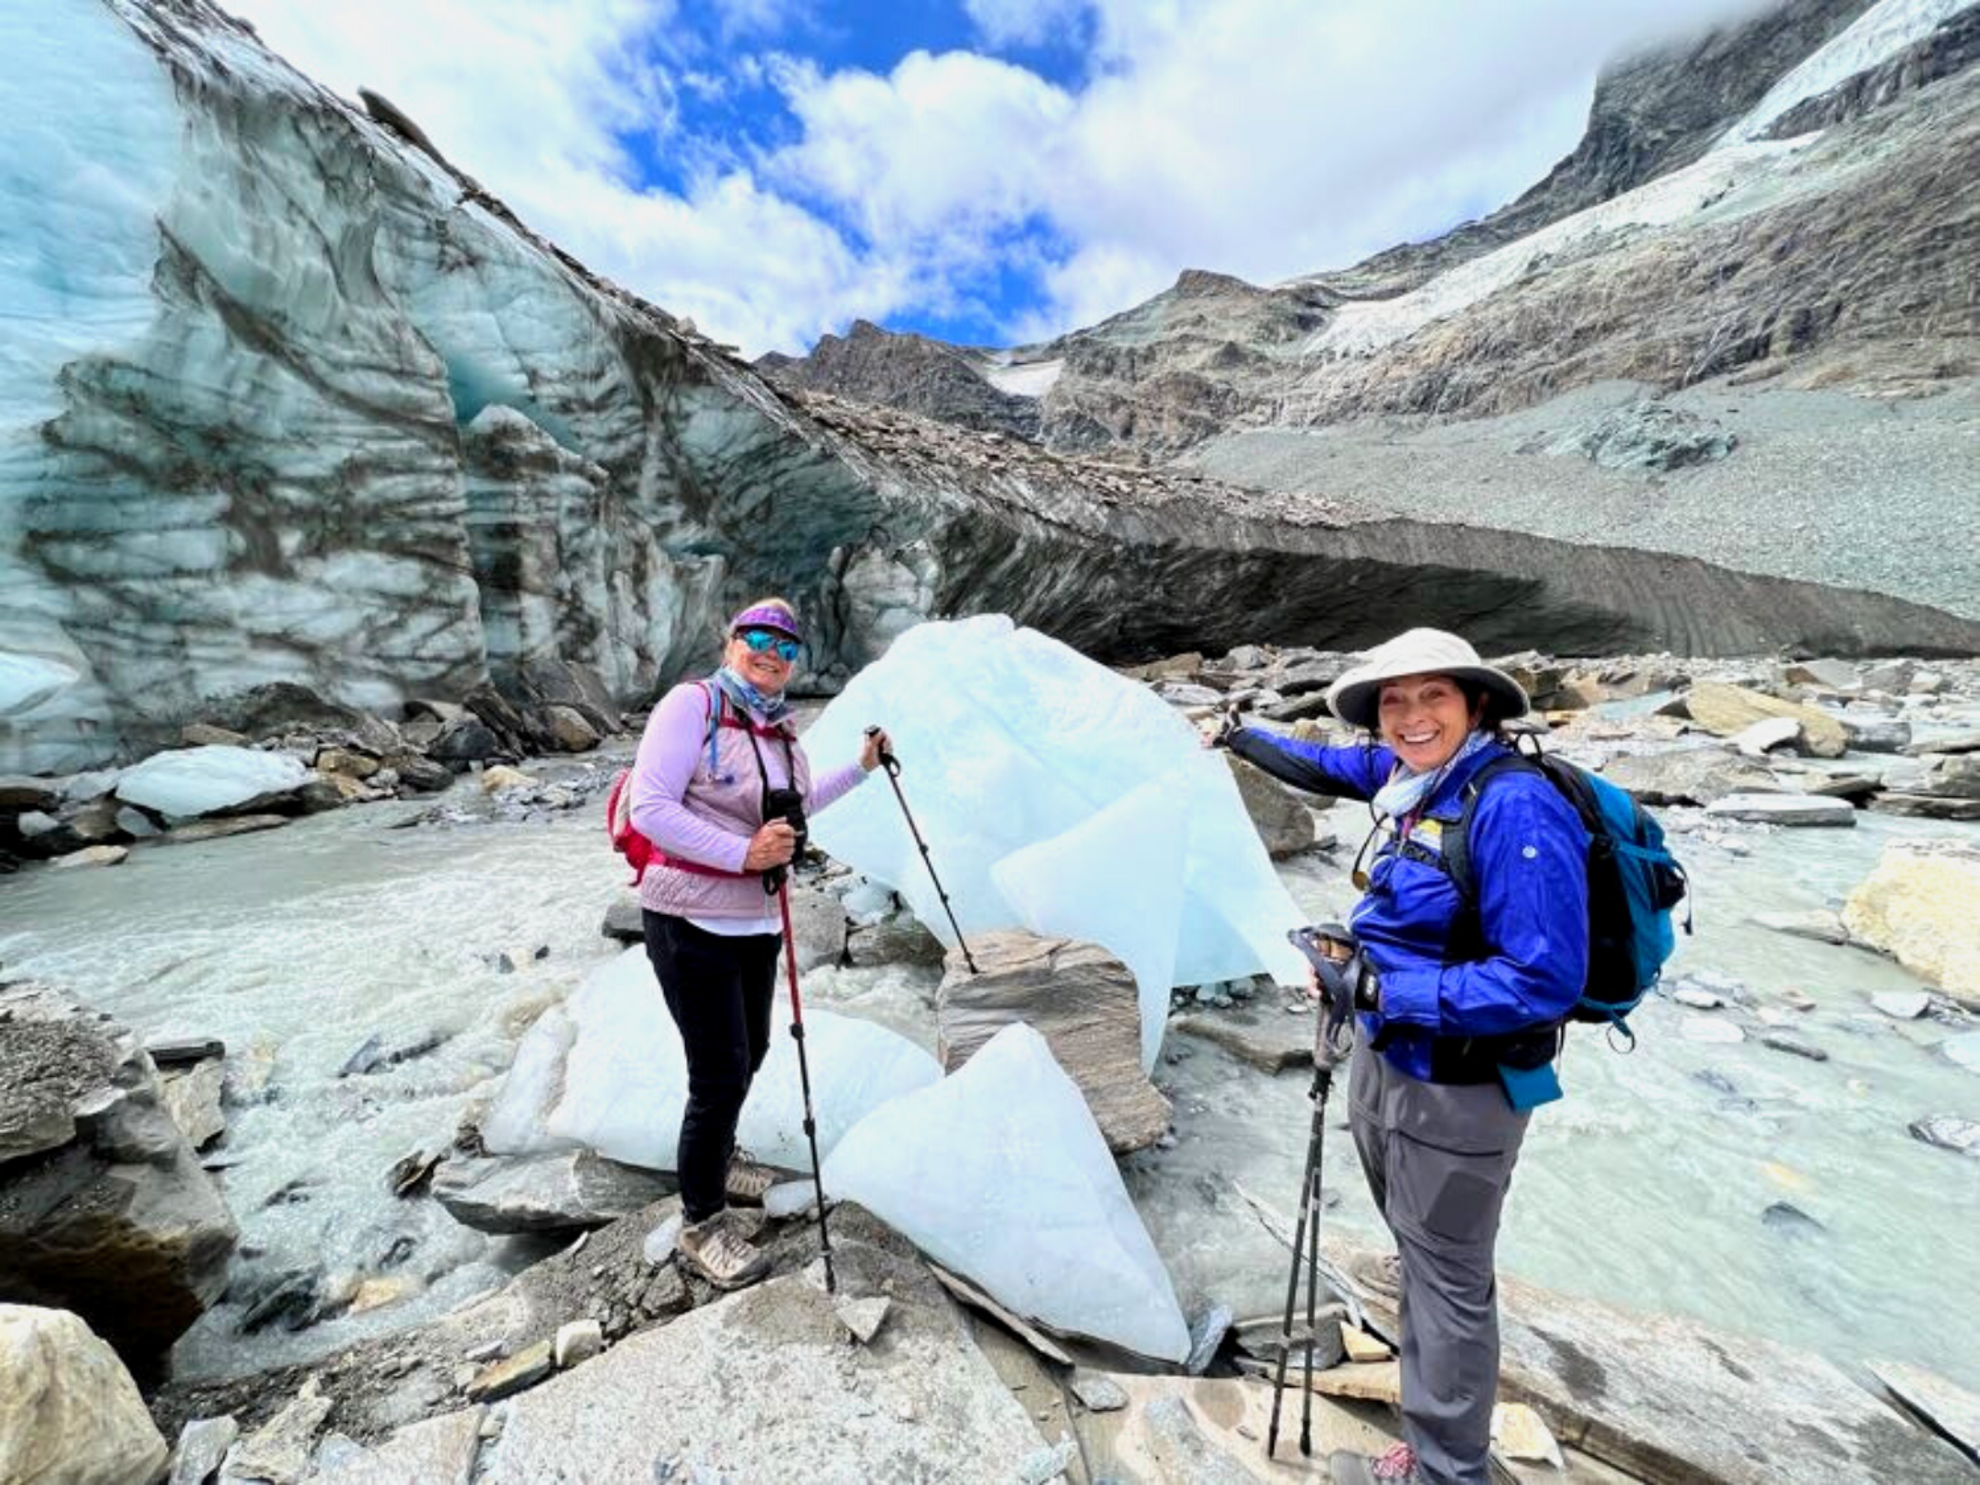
(1634, 883)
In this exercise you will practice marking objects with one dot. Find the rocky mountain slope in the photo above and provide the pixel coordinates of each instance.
(1782, 206)
(292, 399)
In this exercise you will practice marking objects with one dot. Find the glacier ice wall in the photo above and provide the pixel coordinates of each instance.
(1056, 796)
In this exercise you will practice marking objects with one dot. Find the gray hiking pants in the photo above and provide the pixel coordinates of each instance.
(1439, 1158)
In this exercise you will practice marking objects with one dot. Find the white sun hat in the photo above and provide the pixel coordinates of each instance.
(1354, 697)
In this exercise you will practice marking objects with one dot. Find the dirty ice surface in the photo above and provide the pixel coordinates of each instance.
(606, 1070)
(1056, 796)
(999, 1172)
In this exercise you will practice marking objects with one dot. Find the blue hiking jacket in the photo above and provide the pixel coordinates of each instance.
(1529, 860)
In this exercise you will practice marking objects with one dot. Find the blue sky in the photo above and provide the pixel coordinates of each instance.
(991, 171)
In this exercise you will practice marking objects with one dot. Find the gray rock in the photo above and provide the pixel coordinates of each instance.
(1818, 923)
(203, 1444)
(279, 1452)
(1957, 743)
(863, 1318)
(220, 829)
(1206, 1333)
(569, 730)
(114, 1219)
(1785, 809)
(1098, 1393)
(1877, 734)
(764, 1381)
(1902, 1005)
(1687, 776)
(899, 939)
(1181, 1450)
(1926, 806)
(577, 1340)
(506, 1378)
(1085, 1004)
(556, 1192)
(25, 792)
(1786, 1217)
(1649, 436)
(625, 919)
(1959, 1135)
(1945, 1406)
(192, 1098)
(818, 924)
(1260, 1034)
(1793, 1047)
(69, 1412)
(1283, 821)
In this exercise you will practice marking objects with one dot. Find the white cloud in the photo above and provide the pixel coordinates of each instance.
(535, 99)
(1266, 138)
(1022, 22)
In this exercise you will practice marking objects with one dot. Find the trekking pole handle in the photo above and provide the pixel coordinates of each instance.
(887, 759)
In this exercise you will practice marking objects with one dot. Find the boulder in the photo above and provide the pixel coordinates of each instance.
(433, 1451)
(1926, 806)
(347, 761)
(1918, 904)
(1263, 1035)
(420, 774)
(1945, 1406)
(1877, 734)
(899, 939)
(1830, 675)
(1084, 1003)
(93, 856)
(625, 920)
(206, 735)
(763, 1385)
(568, 729)
(546, 683)
(560, 1191)
(26, 792)
(1785, 809)
(1948, 1132)
(113, 1217)
(69, 1412)
(470, 740)
(192, 1098)
(1284, 823)
(203, 1444)
(1729, 710)
(278, 1453)
(1687, 776)
(818, 923)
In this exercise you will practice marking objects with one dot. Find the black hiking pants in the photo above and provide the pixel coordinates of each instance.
(718, 990)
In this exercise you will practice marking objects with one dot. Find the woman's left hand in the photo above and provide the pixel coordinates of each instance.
(876, 743)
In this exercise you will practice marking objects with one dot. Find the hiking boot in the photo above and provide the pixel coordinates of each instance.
(719, 1256)
(1395, 1467)
(748, 1179)
(1380, 1273)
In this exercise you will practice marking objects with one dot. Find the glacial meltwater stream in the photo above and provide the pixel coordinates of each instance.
(1754, 1189)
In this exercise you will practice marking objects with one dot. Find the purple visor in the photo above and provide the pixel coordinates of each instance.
(763, 616)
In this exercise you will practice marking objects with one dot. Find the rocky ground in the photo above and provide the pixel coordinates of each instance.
(510, 1383)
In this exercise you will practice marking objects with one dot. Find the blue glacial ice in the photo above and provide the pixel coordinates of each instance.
(1059, 797)
(999, 1172)
(606, 1070)
(187, 782)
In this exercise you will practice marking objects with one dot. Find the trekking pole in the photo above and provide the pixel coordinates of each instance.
(1332, 1027)
(804, 1080)
(893, 766)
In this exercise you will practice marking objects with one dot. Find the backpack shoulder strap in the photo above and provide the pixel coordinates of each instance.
(1457, 839)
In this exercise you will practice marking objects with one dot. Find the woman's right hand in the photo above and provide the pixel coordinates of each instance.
(773, 845)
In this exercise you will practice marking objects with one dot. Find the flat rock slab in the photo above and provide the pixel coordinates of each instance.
(1687, 776)
(1263, 1035)
(1084, 1003)
(556, 1192)
(1199, 1430)
(1948, 1407)
(1785, 809)
(1818, 923)
(1730, 710)
(434, 1451)
(763, 1385)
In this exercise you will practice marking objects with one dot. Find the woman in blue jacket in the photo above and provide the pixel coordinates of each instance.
(1462, 1011)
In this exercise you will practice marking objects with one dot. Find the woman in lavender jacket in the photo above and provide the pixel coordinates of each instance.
(711, 753)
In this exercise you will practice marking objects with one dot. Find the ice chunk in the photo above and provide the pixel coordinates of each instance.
(514, 1123)
(1057, 797)
(856, 1067)
(197, 781)
(1000, 1173)
(608, 1071)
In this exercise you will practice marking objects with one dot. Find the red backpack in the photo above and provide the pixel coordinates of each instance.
(639, 852)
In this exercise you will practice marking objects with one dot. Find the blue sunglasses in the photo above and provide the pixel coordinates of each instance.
(760, 640)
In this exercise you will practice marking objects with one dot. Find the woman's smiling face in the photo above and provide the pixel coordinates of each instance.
(763, 669)
(1425, 719)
